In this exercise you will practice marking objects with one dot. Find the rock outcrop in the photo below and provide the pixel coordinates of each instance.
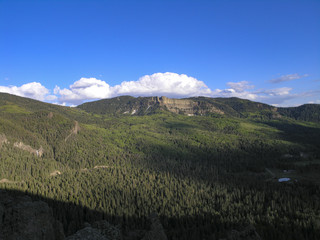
(3, 139)
(55, 173)
(156, 231)
(74, 130)
(87, 233)
(186, 106)
(23, 218)
(249, 233)
(101, 230)
(150, 105)
(21, 145)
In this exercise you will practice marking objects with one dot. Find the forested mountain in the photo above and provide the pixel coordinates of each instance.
(229, 107)
(307, 112)
(205, 166)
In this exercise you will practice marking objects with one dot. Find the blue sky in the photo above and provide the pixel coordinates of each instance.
(68, 52)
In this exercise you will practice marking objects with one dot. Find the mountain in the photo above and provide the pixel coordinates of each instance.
(188, 106)
(306, 112)
(231, 107)
(205, 166)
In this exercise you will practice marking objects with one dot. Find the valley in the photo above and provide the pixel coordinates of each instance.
(205, 166)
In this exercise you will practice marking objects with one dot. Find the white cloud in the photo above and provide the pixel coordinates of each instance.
(84, 89)
(276, 97)
(240, 86)
(164, 84)
(233, 93)
(237, 89)
(31, 90)
(288, 77)
(276, 92)
(167, 84)
(157, 84)
(51, 97)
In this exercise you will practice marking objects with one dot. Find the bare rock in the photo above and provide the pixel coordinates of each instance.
(249, 233)
(108, 230)
(87, 233)
(156, 231)
(100, 230)
(38, 152)
(3, 139)
(22, 218)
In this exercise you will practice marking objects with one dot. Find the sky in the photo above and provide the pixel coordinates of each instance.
(70, 52)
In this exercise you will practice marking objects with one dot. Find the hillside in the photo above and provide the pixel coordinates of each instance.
(188, 106)
(230, 107)
(205, 166)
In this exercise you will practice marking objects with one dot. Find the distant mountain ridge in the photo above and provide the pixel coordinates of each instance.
(193, 106)
(233, 107)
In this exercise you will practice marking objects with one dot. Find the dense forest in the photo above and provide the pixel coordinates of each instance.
(203, 174)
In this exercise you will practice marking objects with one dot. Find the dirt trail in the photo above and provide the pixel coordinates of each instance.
(74, 130)
(100, 166)
(4, 180)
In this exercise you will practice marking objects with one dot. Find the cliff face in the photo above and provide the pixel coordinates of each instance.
(148, 105)
(3, 139)
(186, 106)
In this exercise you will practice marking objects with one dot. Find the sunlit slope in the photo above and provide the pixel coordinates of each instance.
(203, 174)
(203, 106)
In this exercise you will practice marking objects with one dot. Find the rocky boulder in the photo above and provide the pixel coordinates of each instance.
(22, 218)
(156, 231)
(249, 233)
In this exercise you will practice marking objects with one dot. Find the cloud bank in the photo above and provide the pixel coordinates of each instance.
(158, 84)
(82, 90)
(31, 90)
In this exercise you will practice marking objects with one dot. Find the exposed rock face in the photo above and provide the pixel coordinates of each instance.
(186, 106)
(249, 233)
(156, 230)
(29, 149)
(74, 130)
(87, 233)
(108, 230)
(3, 139)
(50, 115)
(150, 105)
(55, 173)
(23, 218)
(101, 230)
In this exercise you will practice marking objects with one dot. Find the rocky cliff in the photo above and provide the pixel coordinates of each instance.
(230, 107)
(148, 105)
(187, 106)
